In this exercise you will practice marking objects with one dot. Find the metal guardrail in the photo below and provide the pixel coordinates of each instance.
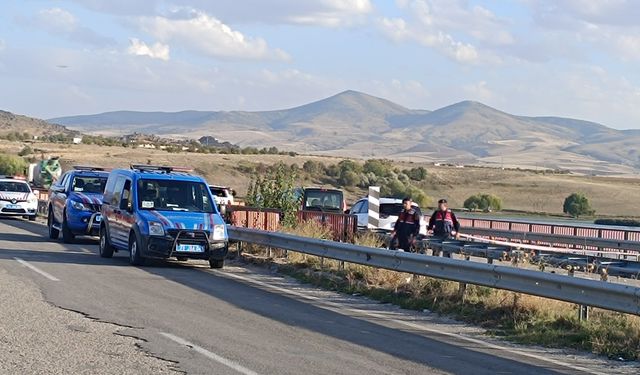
(617, 297)
(576, 242)
(610, 235)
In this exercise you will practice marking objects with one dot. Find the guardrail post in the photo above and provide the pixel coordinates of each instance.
(583, 310)
(462, 287)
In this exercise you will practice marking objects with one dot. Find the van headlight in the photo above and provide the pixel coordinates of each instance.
(79, 206)
(218, 233)
(156, 229)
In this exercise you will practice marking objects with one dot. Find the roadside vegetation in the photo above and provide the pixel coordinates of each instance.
(12, 165)
(516, 317)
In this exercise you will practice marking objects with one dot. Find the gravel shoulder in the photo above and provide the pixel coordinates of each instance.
(39, 338)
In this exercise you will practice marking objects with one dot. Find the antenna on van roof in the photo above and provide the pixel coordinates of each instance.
(159, 168)
(88, 168)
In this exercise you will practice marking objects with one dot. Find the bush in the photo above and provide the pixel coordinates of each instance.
(416, 174)
(577, 204)
(276, 189)
(25, 151)
(12, 165)
(483, 202)
(618, 222)
(380, 168)
(397, 189)
(313, 167)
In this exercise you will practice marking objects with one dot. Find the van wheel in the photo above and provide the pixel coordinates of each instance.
(32, 218)
(106, 250)
(216, 263)
(135, 258)
(67, 235)
(53, 232)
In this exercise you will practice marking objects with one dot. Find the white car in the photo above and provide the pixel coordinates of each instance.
(222, 195)
(17, 198)
(390, 208)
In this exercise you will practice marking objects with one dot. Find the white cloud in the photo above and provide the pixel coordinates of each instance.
(462, 32)
(57, 20)
(399, 30)
(326, 13)
(156, 51)
(62, 22)
(479, 91)
(209, 36)
(605, 25)
(332, 13)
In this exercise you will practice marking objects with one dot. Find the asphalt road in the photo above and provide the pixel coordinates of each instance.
(246, 321)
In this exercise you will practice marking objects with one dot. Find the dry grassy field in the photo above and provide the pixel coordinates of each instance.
(520, 190)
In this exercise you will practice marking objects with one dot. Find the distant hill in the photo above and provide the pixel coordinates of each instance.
(10, 123)
(355, 124)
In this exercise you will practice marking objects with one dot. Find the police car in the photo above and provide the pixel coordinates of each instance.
(17, 198)
(74, 203)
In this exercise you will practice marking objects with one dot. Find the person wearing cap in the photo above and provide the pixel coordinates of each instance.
(407, 226)
(443, 223)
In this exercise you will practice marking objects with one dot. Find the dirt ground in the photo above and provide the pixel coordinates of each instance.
(519, 190)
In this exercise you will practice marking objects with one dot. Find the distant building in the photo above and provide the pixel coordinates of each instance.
(77, 140)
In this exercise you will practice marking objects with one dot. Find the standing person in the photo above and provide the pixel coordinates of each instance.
(443, 222)
(407, 226)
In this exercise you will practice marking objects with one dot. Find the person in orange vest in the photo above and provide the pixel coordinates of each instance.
(407, 226)
(443, 223)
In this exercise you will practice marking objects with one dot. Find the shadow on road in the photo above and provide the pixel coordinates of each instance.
(441, 352)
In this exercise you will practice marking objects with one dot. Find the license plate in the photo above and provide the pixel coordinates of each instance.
(13, 206)
(190, 248)
(97, 219)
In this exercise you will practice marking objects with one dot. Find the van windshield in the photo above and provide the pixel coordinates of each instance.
(172, 195)
(88, 184)
(323, 200)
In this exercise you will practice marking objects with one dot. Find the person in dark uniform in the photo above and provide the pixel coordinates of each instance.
(443, 223)
(407, 226)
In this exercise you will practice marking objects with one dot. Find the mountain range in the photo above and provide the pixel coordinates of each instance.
(354, 124)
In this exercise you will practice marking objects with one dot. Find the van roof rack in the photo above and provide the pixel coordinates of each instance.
(159, 168)
(88, 168)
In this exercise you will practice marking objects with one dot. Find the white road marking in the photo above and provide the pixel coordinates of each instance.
(338, 308)
(36, 269)
(210, 355)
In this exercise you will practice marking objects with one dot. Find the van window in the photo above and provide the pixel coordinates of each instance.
(126, 194)
(117, 191)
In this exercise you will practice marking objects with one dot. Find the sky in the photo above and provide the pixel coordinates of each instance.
(571, 58)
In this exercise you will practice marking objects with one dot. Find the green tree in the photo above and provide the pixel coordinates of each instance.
(313, 167)
(483, 202)
(380, 168)
(577, 204)
(276, 189)
(12, 165)
(416, 174)
(349, 178)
